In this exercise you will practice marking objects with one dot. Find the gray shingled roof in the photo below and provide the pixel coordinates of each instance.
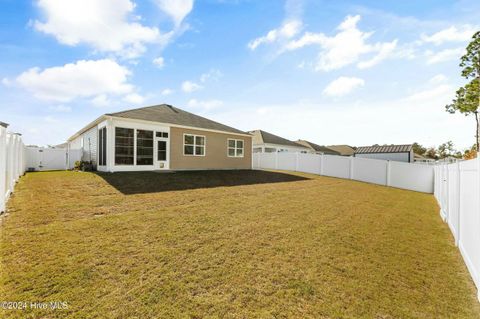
(270, 138)
(384, 149)
(165, 113)
(344, 150)
(317, 148)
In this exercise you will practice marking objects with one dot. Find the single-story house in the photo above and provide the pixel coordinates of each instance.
(344, 150)
(317, 149)
(398, 153)
(161, 137)
(264, 142)
(422, 159)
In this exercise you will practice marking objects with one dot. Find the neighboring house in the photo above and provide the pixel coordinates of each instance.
(162, 137)
(264, 142)
(344, 150)
(422, 159)
(398, 153)
(317, 149)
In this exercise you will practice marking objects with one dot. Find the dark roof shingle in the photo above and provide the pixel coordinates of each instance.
(270, 138)
(318, 148)
(165, 113)
(384, 149)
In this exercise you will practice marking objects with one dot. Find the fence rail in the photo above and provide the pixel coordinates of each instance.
(415, 177)
(457, 190)
(12, 163)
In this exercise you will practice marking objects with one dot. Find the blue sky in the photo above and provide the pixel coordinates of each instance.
(333, 72)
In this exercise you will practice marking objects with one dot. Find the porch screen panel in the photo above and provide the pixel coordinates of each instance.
(102, 147)
(144, 147)
(124, 146)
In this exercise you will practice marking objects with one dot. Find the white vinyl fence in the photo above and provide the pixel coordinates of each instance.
(12, 163)
(415, 177)
(50, 159)
(457, 190)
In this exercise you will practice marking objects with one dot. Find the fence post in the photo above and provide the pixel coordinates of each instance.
(322, 164)
(3, 167)
(351, 166)
(296, 161)
(389, 168)
(276, 160)
(459, 179)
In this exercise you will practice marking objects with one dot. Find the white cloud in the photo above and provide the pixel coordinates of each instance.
(444, 55)
(60, 108)
(85, 78)
(438, 79)
(134, 98)
(205, 105)
(213, 75)
(288, 30)
(176, 9)
(343, 86)
(101, 100)
(159, 62)
(189, 86)
(6, 82)
(105, 25)
(451, 34)
(442, 93)
(385, 50)
(166, 92)
(344, 48)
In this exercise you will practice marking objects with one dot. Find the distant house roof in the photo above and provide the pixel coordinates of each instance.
(262, 137)
(165, 113)
(317, 148)
(384, 149)
(3, 124)
(344, 150)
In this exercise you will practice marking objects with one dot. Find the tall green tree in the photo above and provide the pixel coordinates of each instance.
(419, 149)
(467, 100)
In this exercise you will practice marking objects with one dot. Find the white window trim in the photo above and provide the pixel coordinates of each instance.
(235, 148)
(195, 145)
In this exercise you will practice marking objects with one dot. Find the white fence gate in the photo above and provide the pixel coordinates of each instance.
(48, 159)
(415, 177)
(457, 190)
(12, 162)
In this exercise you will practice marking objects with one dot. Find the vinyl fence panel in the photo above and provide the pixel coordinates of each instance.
(287, 161)
(415, 177)
(336, 166)
(309, 163)
(370, 170)
(457, 190)
(12, 163)
(3, 166)
(50, 159)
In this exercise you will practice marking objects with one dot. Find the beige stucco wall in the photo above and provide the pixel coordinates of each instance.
(215, 151)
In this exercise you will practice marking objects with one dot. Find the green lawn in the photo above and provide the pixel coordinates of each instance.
(243, 244)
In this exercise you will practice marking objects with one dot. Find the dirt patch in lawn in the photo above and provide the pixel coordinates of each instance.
(299, 247)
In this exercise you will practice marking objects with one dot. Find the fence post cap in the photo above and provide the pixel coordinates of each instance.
(5, 125)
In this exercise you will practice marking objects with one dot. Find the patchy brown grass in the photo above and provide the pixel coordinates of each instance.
(228, 244)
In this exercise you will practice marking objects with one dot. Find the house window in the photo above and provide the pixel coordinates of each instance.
(193, 145)
(270, 150)
(102, 146)
(257, 149)
(124, 146)
(235, 148)
(162, 134)
(144, 147)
